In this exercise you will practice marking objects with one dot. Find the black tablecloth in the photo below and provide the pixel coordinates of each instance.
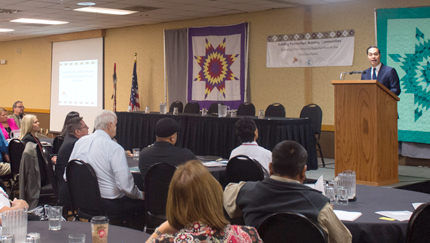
(209, 135)
(115, 233)
(368, 228)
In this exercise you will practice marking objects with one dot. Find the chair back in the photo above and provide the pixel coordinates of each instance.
(84, 189)
(314, 112)
(157, 181)
(178, 104)
(192, 108)
(213, 108)
(418, 226)
(275, 110)
(51, 176)
(246, 109)
(295, 227)
(243, 168)
(56, 144)
(16, 148)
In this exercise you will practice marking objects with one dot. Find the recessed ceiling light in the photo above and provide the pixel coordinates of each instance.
(86, 4)
(38, 21)
(105, 10)
(6, 30)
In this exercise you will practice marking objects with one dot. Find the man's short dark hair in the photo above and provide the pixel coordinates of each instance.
(14, 104)
(288, 158)
(367, 51)
(74, 124)
(245, 129)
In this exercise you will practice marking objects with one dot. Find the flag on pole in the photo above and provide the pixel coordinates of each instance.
(134, 96)
(114, 87)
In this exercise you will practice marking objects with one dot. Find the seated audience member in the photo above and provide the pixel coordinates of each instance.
(18, 112)
(69, 116)
(76, 128)
(286, 193)
(120, 196)
(164, 149)
(194, 210)
(4, 167)
(6, 204)
(32, 171)
(7, 124)
(247, 132)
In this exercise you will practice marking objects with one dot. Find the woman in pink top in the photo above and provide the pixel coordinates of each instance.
(6, 124)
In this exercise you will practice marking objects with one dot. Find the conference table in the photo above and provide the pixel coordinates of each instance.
(369, 228)
(215, 136)
(115, 233)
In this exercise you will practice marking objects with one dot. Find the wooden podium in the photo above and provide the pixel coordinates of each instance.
(366, 131)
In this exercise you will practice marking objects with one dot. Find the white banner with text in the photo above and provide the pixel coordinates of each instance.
(318, 49)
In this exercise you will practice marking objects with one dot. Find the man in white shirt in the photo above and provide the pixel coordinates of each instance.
(247, 131)
(120, 196)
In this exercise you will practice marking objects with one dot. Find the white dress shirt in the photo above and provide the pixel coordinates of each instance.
(110, 164)
(252, 150)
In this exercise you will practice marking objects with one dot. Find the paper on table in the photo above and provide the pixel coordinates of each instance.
(215, 163)
(319, 185)
(416, 205)
(134, 169)
(347, 216)
(398, 215)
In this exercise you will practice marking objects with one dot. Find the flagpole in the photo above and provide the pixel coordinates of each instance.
(114, 87)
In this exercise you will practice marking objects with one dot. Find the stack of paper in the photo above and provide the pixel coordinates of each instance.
(398, 215)
(347, 216)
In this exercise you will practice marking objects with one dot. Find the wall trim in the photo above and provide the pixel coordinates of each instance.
(31, 110)
(327, 128)
(77, 35)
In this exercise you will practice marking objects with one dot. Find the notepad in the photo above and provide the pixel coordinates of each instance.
(397, 215)
(347, 216)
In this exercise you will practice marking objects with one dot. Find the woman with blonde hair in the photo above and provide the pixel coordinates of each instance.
(33, 168)
(195, 210)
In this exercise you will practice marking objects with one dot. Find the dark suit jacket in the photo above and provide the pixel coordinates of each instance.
(62, 161)
(386, 76)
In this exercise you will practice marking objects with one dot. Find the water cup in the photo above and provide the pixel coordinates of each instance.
(136, 152)
(261, 114)
(342, 196)
(14, 223)
(55, 213)
(175, 110)
(330, 194)
(204, 112)
(33, 238)
(7, 239)
(76, 238)
(99, 229)
(233, 113)
(147, 111)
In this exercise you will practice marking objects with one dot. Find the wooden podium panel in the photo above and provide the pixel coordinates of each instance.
(366, 131)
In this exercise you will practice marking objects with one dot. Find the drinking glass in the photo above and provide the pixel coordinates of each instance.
(204, 112)
(330, 194)
(147, 110)
(76, 238)
(163, 108)
(232, 113)
(7, 239)
(342, 196)
(136, 152)
(33, 238)
(175, 110)
(55, 213)
(261, 114)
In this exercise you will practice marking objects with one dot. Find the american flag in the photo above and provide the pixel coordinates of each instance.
(134, 96)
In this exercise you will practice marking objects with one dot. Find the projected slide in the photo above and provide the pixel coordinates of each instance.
(78, 83)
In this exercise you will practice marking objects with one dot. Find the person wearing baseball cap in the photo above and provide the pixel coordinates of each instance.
(164, 149)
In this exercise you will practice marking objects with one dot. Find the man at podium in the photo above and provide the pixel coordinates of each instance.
(384, 74)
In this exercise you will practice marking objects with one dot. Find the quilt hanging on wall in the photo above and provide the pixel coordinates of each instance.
(403, 39)
(217, 61)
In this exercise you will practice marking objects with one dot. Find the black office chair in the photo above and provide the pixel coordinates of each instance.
(213, 108)
(176, 104)
(192, 108)
(15, 150)
(50, 191)
(291, 227)
(275, 110)
(56, 144)
(314, 112)
(243, 168)
(246, 109)
(157, 181)
(418, 226)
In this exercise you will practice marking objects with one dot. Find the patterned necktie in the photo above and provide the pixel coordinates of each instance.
(374, 74)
